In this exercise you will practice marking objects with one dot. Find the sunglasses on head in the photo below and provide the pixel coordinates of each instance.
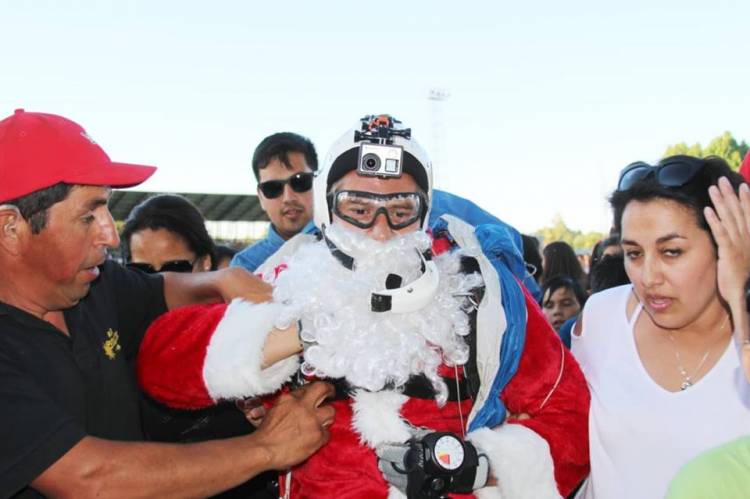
(183, 266)
(669, 172)
(299, 182)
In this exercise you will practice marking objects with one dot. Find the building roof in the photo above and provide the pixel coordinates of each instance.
(220, 207)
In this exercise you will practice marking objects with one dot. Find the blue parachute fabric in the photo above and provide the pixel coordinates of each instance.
(447, 203)
(497, 246)
(498, 243)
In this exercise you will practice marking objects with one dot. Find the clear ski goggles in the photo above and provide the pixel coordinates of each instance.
(361, 209)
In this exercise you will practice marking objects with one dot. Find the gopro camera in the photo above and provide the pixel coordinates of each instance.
(380, 160)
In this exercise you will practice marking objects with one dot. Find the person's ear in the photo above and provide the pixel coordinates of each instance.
(204, 263)
(12, 228)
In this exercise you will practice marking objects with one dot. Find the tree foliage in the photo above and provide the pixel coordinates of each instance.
(559, 231)
(725, 146)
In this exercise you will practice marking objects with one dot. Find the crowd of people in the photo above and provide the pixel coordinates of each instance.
(385, 339)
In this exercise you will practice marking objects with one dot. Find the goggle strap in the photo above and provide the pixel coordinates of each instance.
(344, 259)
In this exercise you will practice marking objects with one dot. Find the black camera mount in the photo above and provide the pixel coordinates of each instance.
(380, 129)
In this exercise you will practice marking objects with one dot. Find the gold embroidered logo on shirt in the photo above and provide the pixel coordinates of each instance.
(111, 345)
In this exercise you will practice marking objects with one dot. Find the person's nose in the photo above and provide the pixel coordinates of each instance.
(288, 194)
(108, 235)
(651, 273)
(557, 311)
(380, 230)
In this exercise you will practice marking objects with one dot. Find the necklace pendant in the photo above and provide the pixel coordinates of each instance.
(685, 385)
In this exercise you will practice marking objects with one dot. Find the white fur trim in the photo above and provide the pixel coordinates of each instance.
(235, 353)
(377, 419)
(520, 460)
(488, 493)
(394, 493)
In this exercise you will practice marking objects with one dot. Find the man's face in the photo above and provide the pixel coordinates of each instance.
(290, 211)
(380, 230)
(63, 258)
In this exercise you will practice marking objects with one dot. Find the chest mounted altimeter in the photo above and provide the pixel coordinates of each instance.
(438, 464)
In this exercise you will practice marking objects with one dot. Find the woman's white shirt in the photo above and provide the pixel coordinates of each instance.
(639, 433)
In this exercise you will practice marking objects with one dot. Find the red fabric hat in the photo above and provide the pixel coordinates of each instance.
(40, 150)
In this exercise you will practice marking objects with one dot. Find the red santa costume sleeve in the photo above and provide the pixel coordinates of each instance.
(194, 356)
(541, 451)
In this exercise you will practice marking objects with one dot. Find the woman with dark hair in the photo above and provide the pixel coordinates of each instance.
(561, 259)
(609, 246)
(658, 355)
(608, 272)
(167, 233)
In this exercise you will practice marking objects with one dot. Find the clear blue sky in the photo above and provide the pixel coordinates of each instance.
(548, 100)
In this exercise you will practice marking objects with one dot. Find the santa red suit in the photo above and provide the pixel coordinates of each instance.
(507, 384)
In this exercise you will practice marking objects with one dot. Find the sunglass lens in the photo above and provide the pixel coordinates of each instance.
(301, 182)
(678, 173)
(632, 174)
(177, 266)
(272, 188)
(143, 267)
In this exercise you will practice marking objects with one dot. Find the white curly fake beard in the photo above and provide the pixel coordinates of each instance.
(372, 350)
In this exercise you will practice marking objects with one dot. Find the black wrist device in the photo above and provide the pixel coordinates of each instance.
(440, 463)
(747, 295)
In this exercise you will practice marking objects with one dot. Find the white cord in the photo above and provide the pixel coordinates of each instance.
(559, 376)
(458, 396)
(288, 484)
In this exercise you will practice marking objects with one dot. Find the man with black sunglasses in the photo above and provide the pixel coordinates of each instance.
(283, 164)
(71, 322)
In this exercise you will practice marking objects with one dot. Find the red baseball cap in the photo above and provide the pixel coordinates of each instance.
(40, 150)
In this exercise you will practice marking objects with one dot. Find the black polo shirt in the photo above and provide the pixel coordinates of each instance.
(55, 389)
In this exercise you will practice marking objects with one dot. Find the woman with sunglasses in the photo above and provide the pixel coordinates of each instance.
(658, 354)
(167, 233)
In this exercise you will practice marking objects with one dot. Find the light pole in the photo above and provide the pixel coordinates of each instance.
(437, 96)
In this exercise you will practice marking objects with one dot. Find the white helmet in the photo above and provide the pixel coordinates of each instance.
(377, 146)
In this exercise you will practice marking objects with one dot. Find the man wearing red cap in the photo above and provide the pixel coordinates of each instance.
(71, 321)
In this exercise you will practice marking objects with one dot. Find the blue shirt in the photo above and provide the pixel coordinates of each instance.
(254, 255)
(566, 329)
